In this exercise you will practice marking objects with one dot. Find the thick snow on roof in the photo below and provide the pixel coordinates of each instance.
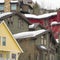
(28, 34)
(1, 1)
(40, 16)
(55, 23)
(57, 40)
(12, 1)
(31, 26)
(4, 14)
(43, 47)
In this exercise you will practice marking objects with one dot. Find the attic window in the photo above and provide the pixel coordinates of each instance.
(3, 41)
(13, 6)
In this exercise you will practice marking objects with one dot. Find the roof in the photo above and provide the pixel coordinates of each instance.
(55, 23)
(1, 1)
(57, 40)
(29, 34)
(12, 1)
(34, 25)
(40, 16)
(4, 14)
(8, 14)
(42, 47)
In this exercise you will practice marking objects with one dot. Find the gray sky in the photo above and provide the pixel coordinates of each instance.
(49, 4)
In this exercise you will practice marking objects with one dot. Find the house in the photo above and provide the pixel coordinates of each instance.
(15, 21)
(45, 20)
(8, 5)
(37, 45)
(9, 48)
(26, 6)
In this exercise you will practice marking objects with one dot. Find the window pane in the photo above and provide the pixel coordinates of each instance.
(1, 7)
(13, 56)
(4, 41)
(13, 6)
(45, 42)
(42, 41)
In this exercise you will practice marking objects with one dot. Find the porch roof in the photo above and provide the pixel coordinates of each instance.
(29, 34)
(42, 47)
(40, 16)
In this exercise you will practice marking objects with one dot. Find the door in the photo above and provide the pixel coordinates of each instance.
(13, 56)
(1, 57)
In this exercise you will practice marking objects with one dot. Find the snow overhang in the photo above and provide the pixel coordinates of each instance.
(28, 34)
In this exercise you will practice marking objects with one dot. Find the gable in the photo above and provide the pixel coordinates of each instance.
(11, 43)
(15, 21)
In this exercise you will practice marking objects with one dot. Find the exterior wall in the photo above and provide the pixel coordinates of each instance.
(30, 50)
(28, 47)
(4, 55)
(9, 40)
(7, 6)
(6, 48)
(46, 22)
(18, 25)
(58, 49)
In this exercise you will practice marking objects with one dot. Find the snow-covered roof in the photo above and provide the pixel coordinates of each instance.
(4, 14)
(54, 23)
(40, 16)
(1, 1)
(28, 34)
(57, 40)
(31, 26)
(12, 1)
(43, 47)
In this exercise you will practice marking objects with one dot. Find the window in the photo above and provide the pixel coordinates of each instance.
(14, 56)
(42, 41)
(13, 6)
(1, 6)
(1, 56)
(4, 41)
(45, 42)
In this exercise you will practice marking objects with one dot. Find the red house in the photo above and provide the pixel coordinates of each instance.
(46, 20)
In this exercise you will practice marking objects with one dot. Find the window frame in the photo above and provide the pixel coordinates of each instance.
(13, 57)
(3, 41)
(13, 4)
(43, 40)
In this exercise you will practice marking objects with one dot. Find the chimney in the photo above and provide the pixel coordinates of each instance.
(7, 6)
(58, 15)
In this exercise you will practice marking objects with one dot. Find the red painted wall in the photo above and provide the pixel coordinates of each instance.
(55, 29)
